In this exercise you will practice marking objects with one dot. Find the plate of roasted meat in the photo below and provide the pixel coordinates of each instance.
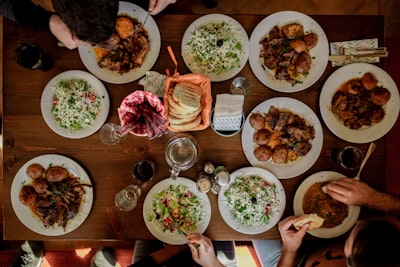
(288, 51)
(51, 195)
(359, 103)
(282, 135)
(310, 198)
(131, 51)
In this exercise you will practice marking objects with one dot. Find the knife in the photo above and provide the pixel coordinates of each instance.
(350, 57)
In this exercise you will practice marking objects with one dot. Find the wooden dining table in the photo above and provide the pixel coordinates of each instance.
(26, 134)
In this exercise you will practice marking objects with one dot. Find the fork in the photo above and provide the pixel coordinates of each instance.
(349, 51)
(175, 226)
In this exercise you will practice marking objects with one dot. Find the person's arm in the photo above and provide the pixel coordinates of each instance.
(27, 13)
(203, 251)
(156, 6)
(354, 192)
(291, 241)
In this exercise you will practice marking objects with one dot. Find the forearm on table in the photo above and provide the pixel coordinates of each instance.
(384, 202)
(287, 259)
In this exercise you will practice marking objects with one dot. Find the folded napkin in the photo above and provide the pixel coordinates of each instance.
(365, 43)
(154, 82)
(228, 112)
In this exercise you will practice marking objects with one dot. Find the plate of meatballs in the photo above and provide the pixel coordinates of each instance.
(289, 51)
(52, 195)
(282, 135)
(359, 103)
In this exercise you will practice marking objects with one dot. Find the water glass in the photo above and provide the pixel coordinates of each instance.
(30, 56)
(143, 171)
(108, 134)
(349, 157)
(241, 86)
(127, 198)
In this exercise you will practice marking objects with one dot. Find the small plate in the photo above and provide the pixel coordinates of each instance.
(347, 224)
(46, 104)
(25, 214)
(89, 59)
(319, 53)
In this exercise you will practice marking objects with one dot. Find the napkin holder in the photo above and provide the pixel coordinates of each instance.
(228, 112)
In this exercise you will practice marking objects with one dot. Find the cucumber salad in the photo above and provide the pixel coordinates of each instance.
(213, 48)
(75, 104)
(176, 205)
(253, 200)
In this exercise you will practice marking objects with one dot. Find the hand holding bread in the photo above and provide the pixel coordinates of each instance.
(313, 219)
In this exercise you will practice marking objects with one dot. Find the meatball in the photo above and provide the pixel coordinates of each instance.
(280, 154)
(35, 171)
(311, 40)
(40, 185)
(380, 96)
(298, 46)
(303, 63)
(56, 174)
(263, 153)
(376, 114)
(28, 195)
(257, 121)
(293, 31)
(369, 81)
(262, 137)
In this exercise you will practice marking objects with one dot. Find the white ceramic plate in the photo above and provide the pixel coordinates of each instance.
(324, 176)
(241, 33)
(298, 166)
(154, 227)
(368, 133)
(226, 212)
(46, 104)
(319, 53)
(25, 214)
(89, 59)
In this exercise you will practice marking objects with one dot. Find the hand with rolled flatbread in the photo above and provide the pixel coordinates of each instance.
(313, 219)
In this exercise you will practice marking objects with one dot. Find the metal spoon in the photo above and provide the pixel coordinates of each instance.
(371, 149)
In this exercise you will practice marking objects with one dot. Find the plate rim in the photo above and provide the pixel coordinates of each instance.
(46, 104)
(365, 135)
(23, 212)
(289, 170)
(322, 176)
(320, 64)
(217, 16)
(225, 212)
(162, 185)
(90, 61)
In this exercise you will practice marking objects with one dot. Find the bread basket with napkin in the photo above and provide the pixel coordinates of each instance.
(187, 100)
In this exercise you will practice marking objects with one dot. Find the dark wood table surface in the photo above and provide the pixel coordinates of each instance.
(26, 135)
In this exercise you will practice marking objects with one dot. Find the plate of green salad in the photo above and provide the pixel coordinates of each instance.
(75, 104)
(215, 45)
(173, 208)
(253, 201)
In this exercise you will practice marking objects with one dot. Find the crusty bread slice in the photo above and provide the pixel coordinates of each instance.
(187, 125)
(186, 96)
(313, 219)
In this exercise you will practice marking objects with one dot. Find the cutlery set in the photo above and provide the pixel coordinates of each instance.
(353, 53)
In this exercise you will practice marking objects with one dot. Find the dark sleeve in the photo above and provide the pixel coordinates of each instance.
(27, 13)
(147, 261)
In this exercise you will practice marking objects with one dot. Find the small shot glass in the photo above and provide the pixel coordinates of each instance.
(241, 86)
(349, 157)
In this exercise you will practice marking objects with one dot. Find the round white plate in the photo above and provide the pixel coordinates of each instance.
(319, 53)
(46, 104)
(290, 169)
(89, 59)
(365, 134)
(241, 32)
(154, 227)
(25, 214)
(226, 212)
(324, 176)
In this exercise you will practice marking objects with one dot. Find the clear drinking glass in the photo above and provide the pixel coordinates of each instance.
(111, 133)
(241, 86)
(349, 157)
(30, 56)
(143, 171)
(128, 197)
(181, 153)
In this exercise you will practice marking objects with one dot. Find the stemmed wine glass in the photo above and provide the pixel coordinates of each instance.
(111, 133)
(181, 153)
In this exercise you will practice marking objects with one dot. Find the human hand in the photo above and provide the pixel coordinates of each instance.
(350, 191)
(291, 238)
(156, 6)
(202, 250)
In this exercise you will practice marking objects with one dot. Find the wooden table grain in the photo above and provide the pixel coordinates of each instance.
(26, 134)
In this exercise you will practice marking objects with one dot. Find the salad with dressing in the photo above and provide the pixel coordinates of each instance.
(176, 205)
(252, 200)
(76, 104)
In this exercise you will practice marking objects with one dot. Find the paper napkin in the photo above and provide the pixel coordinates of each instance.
(228, 112)
(365, 43)
(154, 82)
